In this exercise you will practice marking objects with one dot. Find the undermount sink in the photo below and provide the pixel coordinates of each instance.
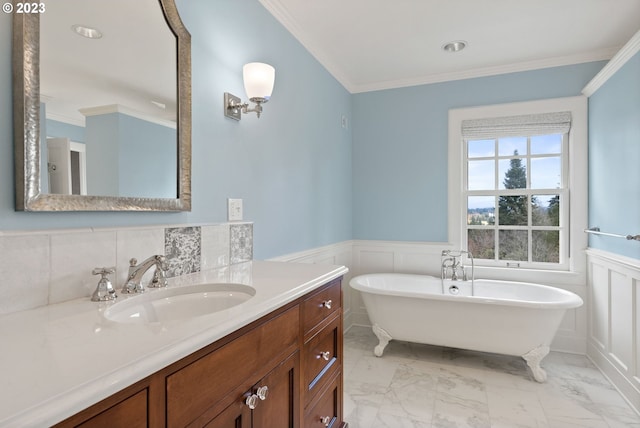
(178, 303)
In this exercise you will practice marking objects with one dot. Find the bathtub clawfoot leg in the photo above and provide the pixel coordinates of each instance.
(533, 359)
(384, 339)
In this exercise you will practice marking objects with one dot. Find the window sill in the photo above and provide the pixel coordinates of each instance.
(545, 277)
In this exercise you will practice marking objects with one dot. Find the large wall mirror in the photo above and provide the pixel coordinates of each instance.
(102, 107)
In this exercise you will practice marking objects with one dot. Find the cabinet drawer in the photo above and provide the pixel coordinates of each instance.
(320, 305)
(326, 410)
(322, 356)
(200, 385)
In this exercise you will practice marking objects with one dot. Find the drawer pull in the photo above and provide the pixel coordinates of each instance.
(262, 392)
(325, 420)
(327, 304)
(252, 401)
(324, 355)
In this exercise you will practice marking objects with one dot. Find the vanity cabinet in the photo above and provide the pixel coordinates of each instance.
(295, 352)
(322, 356)
(196, 391)
(130, 412)
(278, 408)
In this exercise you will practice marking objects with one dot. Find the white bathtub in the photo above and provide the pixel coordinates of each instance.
(513, 318)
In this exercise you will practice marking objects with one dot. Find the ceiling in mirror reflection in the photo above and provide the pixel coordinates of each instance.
(132, 65)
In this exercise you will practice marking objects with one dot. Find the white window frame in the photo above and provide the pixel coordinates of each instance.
(563, 192)
(573, 261)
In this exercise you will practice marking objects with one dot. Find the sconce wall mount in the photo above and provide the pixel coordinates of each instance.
(233, 106)
(258, 84)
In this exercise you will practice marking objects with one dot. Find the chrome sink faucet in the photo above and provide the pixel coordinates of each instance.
(136, 272)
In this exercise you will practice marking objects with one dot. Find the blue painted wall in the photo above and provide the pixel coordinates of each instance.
(145, 150)
(61, 129)
(128, 156)
(400, 146)
(102, 154)
(292, 166)
(305, 180)
(614, 159)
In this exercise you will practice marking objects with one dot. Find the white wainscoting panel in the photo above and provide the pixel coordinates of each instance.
(334, 254)
(614, 322)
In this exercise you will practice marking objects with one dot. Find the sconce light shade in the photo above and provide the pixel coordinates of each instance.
(258, 84)
(258, 81)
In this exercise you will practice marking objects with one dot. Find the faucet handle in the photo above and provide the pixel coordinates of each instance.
(103, 271)
(159, 279)
(104, 291)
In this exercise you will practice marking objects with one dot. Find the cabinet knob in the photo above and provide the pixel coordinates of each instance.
(252, 401)
(325, 420)
(324, 355)
(262, 392)
(327, 304)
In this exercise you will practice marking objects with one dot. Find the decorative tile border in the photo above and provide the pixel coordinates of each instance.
(240, 243)
(183, 248)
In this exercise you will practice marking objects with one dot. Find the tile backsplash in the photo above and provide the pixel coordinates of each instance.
(241, 248)
(183, 247)
(46, 267)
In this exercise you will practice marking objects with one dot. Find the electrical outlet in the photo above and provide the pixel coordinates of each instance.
(234, 209)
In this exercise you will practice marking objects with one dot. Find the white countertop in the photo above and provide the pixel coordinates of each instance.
(59, 359)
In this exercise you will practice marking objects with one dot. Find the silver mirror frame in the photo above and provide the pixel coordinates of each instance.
(26, 126)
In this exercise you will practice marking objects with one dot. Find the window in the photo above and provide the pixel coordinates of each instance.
(515, 197)
(517, 184)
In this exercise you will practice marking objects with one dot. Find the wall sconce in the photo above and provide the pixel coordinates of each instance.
(258, 84)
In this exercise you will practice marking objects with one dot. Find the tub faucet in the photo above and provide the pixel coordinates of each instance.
(448, 264)
(136, 272)
(452, 262)
(452, 267)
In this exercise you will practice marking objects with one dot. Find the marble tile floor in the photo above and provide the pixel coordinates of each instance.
(420, 386)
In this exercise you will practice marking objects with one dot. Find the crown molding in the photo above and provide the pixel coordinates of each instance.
(599, 55)
(66, 119)
(631, 48)
(117, 108)
(282, 15)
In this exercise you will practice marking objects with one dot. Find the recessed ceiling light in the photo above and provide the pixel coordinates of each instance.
(455, 46)
(88, 32)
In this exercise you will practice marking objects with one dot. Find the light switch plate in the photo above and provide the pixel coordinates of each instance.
(234, 209)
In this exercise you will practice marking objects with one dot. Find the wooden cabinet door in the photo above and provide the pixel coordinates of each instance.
(237, 415)
(280, 408)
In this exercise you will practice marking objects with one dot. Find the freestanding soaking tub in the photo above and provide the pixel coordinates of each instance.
(513, 318)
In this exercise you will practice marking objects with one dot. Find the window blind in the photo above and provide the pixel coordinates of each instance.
(516, 126)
